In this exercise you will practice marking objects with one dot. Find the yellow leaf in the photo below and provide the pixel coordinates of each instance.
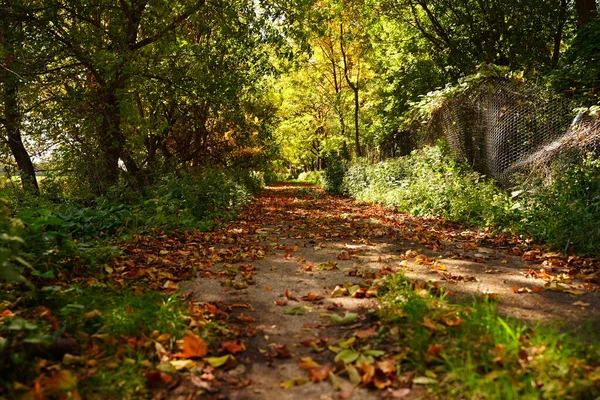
(217, 362)
(182, 364)
(290, 383)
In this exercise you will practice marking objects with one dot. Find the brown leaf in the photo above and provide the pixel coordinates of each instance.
(158, 379)
(312, 297)
(193, 346)
(289, 295)
(365, 333)
(281, 302)
(281, 351)
(232, 347)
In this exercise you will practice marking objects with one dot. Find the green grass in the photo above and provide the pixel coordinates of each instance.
(470, 352)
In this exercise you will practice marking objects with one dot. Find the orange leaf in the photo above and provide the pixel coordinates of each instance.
(319, 374)
(312, 297)
(368, 372)
(193, 346)
(245, 318)
(308, 363)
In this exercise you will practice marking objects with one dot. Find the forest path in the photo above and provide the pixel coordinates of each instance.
(296, 256)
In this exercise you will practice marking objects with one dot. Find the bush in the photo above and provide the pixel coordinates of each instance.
(333, 175)
(565, 211)
(430, 183)
(314, 177)
(562, 213)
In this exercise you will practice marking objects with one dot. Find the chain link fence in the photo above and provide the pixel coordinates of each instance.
(502, 127)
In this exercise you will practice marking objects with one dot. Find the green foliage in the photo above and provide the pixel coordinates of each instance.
(70, 235)
(471, 352)
(11, 242)
(314, 177)
(579, 74)
(335, 169)
(562, 213)
(429, 182)
(565, 212)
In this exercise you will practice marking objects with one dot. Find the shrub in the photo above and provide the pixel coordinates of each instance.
(314, 177)
(333, 174)
(562, 212)
(428, 182)
(565, 211)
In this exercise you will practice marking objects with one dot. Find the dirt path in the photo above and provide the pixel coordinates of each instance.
(277, 268)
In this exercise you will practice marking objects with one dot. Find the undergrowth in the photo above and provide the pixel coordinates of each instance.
(104, 339)
(468, 351)
(561, 211)
(44, 236)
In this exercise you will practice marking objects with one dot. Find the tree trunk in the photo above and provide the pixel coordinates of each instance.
(12, 114)
(355, 89)
(356, 128)
(562, 19)
(111, 140)
(586, 11)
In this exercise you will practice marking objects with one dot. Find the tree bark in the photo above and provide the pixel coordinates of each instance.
(586, 11)
(562, 19)
(355, 88)
(11, 120)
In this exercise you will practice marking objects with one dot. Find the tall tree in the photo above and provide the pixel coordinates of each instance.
(11, 44)
(108, 41)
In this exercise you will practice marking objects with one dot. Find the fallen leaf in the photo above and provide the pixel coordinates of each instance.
(347, 319)
(295, 311)
(365, 333)
(339, 291)
(245, 318)
(182, 364)
(158, 379)
(217, 362)
(281, 351)
(193, 346)
(232, 347)
(312, 297)
(581, 304)
(290, 383)
(289, 295)
(320, 373)
(308, 363)
(424, 380)
(60, 381)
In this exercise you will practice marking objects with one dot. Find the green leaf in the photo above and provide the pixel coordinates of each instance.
(20, 324)
(295, 311)
(347, 319)
(217, 362)
(347, 356)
